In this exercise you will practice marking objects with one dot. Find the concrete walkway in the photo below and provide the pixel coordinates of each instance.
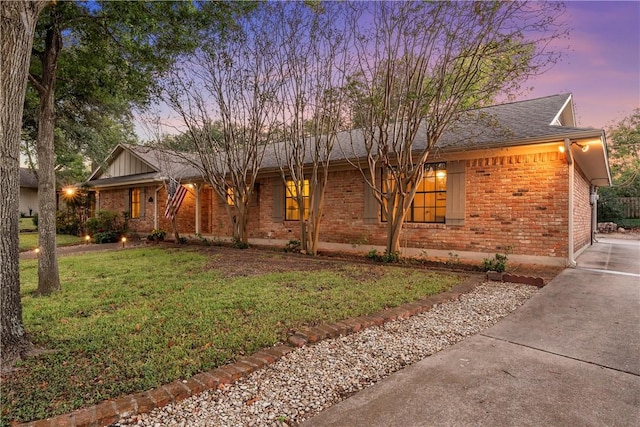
(569, 357)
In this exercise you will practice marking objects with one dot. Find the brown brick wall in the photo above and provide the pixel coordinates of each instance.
(116, 201)
(515, 200)
(519, 201)
(581, 210)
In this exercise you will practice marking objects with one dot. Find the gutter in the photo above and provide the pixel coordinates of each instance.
(571, 262)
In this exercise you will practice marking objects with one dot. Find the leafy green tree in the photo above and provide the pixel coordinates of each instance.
(111, 55)
(17, 26)
(623, 145)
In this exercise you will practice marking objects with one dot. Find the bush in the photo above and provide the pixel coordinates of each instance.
(609, 208)
(67, 222)
(157, 235)
(497, 263)
(35, 220)
(292, 246)
(107, 226)
(239, 244)
(385, 257)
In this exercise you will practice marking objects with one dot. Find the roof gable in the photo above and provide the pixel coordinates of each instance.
(124, 160)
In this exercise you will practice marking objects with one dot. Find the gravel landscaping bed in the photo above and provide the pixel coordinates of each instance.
(312, 378)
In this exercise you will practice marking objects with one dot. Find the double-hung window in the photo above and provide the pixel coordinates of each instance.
(134, 202)
(430, 201)
(292, 210)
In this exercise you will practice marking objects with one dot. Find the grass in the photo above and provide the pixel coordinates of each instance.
(127, 321)
(26, 224)
(29, 241)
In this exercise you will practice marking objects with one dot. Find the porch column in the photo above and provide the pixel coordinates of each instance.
(197, 188)
(156, 221)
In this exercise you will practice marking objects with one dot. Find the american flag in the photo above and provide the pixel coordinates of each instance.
(177, 193)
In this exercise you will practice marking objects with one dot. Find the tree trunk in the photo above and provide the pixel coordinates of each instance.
(17, 26)
(395, 220)
(316, 204)
(48, 276)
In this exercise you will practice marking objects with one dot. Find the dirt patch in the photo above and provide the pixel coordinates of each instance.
(232, 262)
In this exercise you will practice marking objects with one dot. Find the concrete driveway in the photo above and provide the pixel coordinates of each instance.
(569, 357)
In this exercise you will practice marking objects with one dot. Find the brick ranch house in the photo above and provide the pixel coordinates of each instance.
(517, 175)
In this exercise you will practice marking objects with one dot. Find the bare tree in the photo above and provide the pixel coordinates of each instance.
(225, 96)
(311, 59)
(17, 27)
(420, 67)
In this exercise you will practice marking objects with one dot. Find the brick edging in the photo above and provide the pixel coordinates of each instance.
(113, 410)
(310, 335)
(514, 278)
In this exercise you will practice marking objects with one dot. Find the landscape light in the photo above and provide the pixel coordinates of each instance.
(124, 240)
(87, 238)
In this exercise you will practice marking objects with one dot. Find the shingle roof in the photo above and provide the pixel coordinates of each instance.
(504, 125)
(28, 178)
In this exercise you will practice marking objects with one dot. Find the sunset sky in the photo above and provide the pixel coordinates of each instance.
(602, 67)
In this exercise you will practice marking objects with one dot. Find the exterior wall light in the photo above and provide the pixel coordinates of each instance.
(583, 147)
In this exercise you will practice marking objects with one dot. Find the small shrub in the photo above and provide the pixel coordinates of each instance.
(497, 263)
(392, 257)
(157, 235)
(239, 244)
(292, 246)
(107, 226)
(35, 220)
(182, 240)
(106, 237)
(67, 222)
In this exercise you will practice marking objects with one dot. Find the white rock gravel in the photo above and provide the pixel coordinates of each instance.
(310, 379)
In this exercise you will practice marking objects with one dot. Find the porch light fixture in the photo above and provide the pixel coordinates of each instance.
(69, 192)
(561, 148)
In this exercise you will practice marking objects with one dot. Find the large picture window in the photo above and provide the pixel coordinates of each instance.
(134, 202)
(430, 201)
(291, 211)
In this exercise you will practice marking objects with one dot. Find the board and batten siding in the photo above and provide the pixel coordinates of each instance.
(127, 164)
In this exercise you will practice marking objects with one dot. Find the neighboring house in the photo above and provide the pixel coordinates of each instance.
(28, 192)
(518, 175)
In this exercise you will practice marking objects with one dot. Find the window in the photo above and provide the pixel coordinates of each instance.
(134, 202)
(230, 196)
(291, 211)
(430, 201)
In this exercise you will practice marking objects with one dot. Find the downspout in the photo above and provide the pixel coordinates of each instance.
(571, 262)
(594, 213)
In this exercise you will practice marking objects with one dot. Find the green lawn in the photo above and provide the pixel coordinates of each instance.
(132, 320)
(26, 224)
(29, 241)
